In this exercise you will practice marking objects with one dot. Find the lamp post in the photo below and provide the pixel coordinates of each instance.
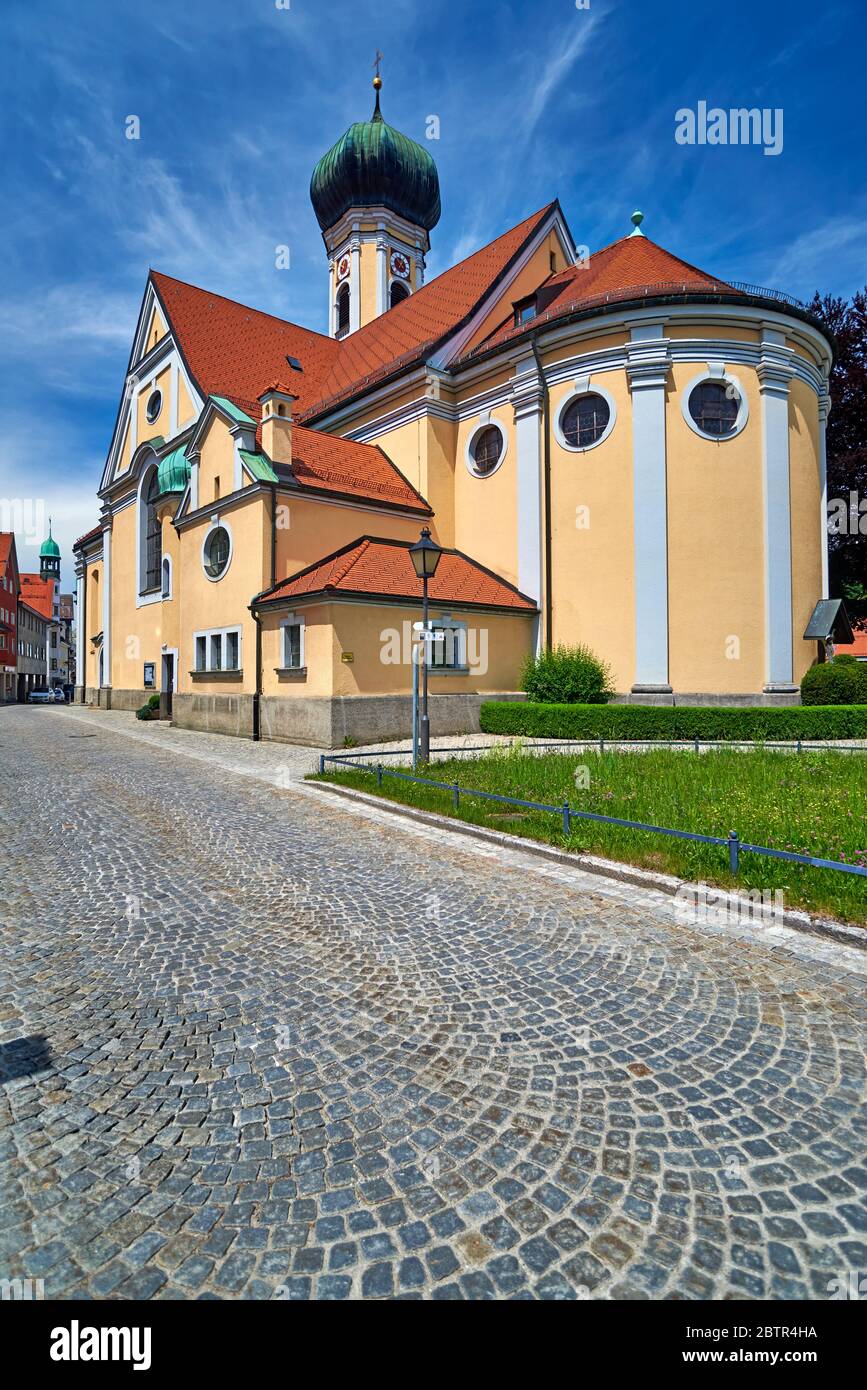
(425, 556)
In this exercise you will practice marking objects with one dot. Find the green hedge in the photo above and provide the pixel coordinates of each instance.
(673, 721)
(842, 681)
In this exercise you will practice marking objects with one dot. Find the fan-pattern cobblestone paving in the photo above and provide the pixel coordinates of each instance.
(254, 1044)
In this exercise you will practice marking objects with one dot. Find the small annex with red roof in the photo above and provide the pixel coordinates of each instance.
(615, 448)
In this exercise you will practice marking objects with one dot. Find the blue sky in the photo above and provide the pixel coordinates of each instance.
(238, 98)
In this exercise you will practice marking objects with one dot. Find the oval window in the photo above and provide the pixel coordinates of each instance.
(486, 450)
(714, 408)
(585, 420)
(217, 552)
(154, 406)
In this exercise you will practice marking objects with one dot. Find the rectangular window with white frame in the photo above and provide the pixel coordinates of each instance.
(448, 652)
(217, 650)
(293, 655)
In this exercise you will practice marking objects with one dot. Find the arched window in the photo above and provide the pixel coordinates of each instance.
(342, 310)
(153, 534)
(167, 577)
(397, 293)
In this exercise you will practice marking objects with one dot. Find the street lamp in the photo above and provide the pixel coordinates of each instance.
(425, 556)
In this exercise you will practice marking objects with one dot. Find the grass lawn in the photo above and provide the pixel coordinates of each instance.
(813, 803)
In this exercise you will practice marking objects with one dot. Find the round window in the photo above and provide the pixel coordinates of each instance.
(217, 551)
(714, 408)
(585, 420)
(486, 450)
(154, 406)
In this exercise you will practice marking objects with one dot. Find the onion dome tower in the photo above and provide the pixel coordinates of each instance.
(49, 557)
(376, 195)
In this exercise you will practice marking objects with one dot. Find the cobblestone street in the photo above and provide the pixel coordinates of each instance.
(256, 1043)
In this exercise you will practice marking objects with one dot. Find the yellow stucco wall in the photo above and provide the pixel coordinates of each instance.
(216, 462)
(716, 548)
(373, 634)
(145, 428)
(309, 529)
(486, 508)
(592, 547)
(806, 509)
(208, 604)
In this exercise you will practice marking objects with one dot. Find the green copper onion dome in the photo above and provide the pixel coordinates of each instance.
(375, 165)
(49, 550)
(173, 472)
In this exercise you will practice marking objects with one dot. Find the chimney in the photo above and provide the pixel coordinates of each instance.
(276, 405)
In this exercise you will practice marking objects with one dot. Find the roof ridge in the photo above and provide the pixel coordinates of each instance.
(351, 558)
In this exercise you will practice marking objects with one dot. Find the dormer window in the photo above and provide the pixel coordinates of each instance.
(525, 310)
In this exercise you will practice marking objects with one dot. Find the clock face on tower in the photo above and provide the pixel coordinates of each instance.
(399, 265)
(343, 268)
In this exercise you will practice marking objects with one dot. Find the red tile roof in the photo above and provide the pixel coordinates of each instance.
(412, 328)
(632, 267)
(235, 351)
(343, 465)
(7, 550)
(38, 593)
(380, 568)
(88, 536)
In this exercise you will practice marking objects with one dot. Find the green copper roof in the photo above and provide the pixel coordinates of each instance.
(232, 409)
(374, 164)
(173, 472)
(49, 550)
(259, 467)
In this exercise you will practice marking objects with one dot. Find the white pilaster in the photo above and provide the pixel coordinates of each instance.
(355, 284)
(381, 272)
(106, 604)
(173, 399)
(648, 364)
(824, 412)
(775, 372)
(332, 297)
(80, 629)
(527, 399)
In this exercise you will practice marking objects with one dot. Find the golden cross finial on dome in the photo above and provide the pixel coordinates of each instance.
(377, 83)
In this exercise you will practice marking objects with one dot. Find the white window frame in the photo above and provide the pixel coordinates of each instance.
(293, 620)
(484, 423)
(715, 371)
(446, 623)
(217, 524)
(585, 388)
(209, 635)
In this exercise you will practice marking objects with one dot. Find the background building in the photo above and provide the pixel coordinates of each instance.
(33, 629)
(9, 589)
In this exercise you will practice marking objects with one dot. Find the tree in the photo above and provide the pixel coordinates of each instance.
(847, 447)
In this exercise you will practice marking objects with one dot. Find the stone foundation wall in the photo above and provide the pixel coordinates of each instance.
(327, 723)
(714, 701)
(214, 714)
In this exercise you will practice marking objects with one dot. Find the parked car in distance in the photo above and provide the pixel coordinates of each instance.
(40, 697)
(59, 695)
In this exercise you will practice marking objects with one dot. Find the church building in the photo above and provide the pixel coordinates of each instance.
(619, 450)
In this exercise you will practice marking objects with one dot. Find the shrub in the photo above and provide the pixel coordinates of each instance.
(567, 676)
(842, 681)
(151, 710)
(773, 723)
